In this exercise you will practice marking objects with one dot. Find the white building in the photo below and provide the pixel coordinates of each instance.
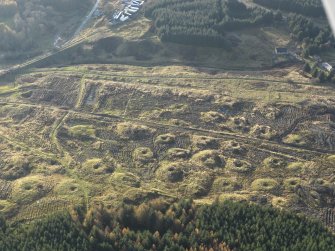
(136, 3)
(124, 18)
(117, 15)
(132, 9)
(327, 66)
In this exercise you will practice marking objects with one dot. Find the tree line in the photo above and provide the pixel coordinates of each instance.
(31, 22)
(7, 8)
(158, 225)
(203, 22)
(304, 7)
(313, 38)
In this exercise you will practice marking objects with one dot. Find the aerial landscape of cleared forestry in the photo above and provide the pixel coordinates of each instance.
(166, 125)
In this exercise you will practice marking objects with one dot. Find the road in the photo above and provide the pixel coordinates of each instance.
(87, 18)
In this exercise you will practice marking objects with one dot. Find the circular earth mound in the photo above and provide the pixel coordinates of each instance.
(273, 162)
(263, 132)
(265, 185)
(30, 188)
(294, 139)
(239, 166)
(292, 183)
(143, 155)
(203, 142)
(71, 189)
(15, 167)
(323, 186)
(6, 206)
(225, 185)
(296, 166)
(212, 117)
(98, 166)
(209, 158)
(239, 123)
(127, 179)
(178, 154)
(233, 197)
(82, 132)
(165, 139)
(171, 172)
(280, 202)
(234, 147)
(198, 184)
(133, 131)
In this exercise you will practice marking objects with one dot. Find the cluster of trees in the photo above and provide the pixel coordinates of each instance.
(33, 21)
(203, 22)
(305, 7)
(316, 72)
(8, 8)
(56, 233)
(314, 38)
(9, 38)
(180, 226)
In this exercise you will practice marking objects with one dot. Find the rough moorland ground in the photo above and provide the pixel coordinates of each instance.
(117, 133)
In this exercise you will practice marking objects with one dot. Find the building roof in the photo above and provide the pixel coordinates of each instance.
(327, 66)
(281, 50)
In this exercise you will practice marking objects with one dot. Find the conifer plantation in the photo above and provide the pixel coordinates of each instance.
(158, 225)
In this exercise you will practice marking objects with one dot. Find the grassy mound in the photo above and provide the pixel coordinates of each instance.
(178, 154)
(239, 124)
(273, 162)
(239, 166)
(234, 147)
(15, 167)
(198, 184)
(98, 166)
(265, 185)
(212, 117)
(178, 122)
(127, 179)
(165, 139)
(280, 202)
(30, 188)
(82, 132)
(6, 206)
(232, 197)
(143, 155)
(209, 158)
(294, 139)
(323, 185)
(296, 166)
(292, 183)
(171, 172)
(331, 158)
(133, 131)
(71, 189)
(263, 132)
(225, 185)
(203, 142)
